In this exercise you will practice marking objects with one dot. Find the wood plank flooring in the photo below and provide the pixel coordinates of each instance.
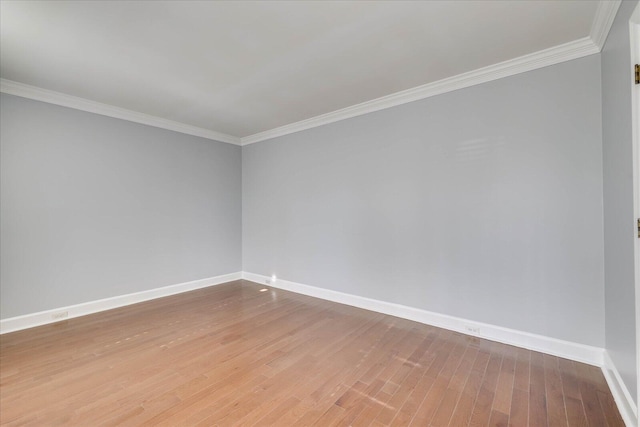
(235, 355)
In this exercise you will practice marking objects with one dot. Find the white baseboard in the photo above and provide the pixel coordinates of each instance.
(621, 395)
(569, 350)
(50, 316)
(566, 349)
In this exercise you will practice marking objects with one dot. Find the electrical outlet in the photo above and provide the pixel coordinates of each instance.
(60, 315)
(472, 329)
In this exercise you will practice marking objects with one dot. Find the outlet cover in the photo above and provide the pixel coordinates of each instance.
(472, 329)
(60, 315)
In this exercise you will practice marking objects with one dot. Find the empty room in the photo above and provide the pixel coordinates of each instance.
(319, 213)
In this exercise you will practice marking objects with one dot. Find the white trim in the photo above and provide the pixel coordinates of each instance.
(592, 44)
(45, 317)
(621, 395)
(634, 44)
(602, 22)
(566, 349)
(554, 55)
(32, 92)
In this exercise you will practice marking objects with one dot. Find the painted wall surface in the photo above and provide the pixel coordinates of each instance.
(483, 203)
(618, 198)
(95, 207)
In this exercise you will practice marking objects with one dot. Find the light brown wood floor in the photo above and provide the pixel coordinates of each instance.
(232, 355)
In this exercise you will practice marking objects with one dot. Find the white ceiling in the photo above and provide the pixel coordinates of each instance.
(241, 68)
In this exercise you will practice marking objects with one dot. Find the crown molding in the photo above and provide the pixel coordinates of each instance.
(32, 92)
(554, 55)
(602, 22)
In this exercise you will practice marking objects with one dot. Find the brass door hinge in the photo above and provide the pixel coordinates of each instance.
(638, 74)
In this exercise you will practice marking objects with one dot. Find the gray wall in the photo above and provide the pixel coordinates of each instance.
(483, 203)
(94, 207)
(618, 198)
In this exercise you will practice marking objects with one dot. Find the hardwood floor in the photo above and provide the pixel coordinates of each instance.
(233, 355)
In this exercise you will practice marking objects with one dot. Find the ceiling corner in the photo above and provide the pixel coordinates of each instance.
(603, 20)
